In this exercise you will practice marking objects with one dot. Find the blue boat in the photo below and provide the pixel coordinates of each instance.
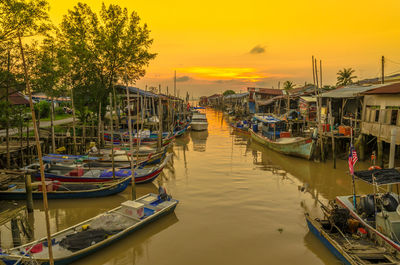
(61, 190)
(93, 234)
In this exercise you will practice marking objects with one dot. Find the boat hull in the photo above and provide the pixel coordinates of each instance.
(38, 195)
(302, 148)
(240, 130)
(199, 126)
(328, 242)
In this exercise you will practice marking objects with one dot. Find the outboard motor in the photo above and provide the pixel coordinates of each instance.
(367, 205)
(162, 194)
(389, 202)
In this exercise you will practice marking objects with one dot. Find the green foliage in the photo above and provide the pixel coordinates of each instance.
(23, 18)
(345, 77)
(228, 92)
(44, 108)
(288, 85)
(103, 49)
(59, 111)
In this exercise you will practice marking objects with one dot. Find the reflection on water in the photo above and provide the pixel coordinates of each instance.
(199, 139)
(240, 203)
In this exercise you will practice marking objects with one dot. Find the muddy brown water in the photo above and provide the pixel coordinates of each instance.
(240, 203)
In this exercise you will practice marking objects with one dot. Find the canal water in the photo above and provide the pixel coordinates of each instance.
(239, 204)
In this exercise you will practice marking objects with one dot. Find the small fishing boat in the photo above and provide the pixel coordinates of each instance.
(378, 212)
(146, 138)
(182, 131)
(199, 122)
(348, 240)
(93, 234)
(76, 173)
(60, 190)
(241, 127)
(272, 135)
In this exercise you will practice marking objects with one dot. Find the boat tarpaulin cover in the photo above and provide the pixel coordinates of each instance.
(381, 176)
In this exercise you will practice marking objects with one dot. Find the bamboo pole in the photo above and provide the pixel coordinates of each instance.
(8, 114)
(53, 137)
(112, 136)
(39, 151)
(73, 120)
(160, 120)
(332, 136)
(138, 138)
(131, 142)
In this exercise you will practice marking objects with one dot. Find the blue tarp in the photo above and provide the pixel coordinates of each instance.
(266, 119)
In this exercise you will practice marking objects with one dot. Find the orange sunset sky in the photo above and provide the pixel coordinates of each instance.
(219, 45)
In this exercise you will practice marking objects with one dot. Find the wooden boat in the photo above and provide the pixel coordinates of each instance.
(74, 173)
(60, 190)
(145, 140)
(182, 131)
(240, 128)
(349, 241)
(378, 212)
(93, 234)
(199, 122)
(293, 146)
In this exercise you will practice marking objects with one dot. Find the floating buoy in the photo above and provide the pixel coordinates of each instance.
(374, 167)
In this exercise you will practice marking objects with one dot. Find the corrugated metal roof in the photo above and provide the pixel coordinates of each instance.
(239, 95)
(348, 91)
(393, 88)
(135, 90)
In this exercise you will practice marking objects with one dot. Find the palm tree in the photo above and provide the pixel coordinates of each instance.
(288, 85)
(345, 77)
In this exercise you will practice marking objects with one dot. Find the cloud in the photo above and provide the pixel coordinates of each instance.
(184, 78)
(258, 49)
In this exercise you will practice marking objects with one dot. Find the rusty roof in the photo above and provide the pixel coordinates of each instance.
(14, 97)
(393, 88)
(269, 91)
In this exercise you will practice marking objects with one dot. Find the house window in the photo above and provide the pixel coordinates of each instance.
(377, 115)
(393, 120)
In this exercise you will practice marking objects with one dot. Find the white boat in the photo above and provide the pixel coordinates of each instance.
(199, 122)
(379, 212)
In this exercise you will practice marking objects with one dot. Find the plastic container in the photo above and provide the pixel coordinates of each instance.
(255, 128)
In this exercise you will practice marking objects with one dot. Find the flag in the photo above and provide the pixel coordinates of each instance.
(352, 159)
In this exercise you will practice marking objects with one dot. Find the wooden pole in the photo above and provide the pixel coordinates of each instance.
(383, 69)
(160, 120)
(175, 84)
(320, 73)
(53, 136)
(130, 142)
(39, 151)
(73, 120)
(99, 127)
(28, 189)
(112, 136)
(8, 113)
(138, 138)
(332, 136)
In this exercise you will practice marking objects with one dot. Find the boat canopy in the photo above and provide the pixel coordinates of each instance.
(379, 176)
(266, 118)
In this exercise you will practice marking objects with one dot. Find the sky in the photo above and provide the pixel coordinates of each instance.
(218, 45)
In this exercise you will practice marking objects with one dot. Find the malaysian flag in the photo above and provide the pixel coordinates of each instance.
(352, 159)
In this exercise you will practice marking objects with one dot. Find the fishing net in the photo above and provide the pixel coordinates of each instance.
(111, 223)
(83, 239)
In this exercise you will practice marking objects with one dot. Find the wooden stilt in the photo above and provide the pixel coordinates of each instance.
(45, 203)
(130, 142)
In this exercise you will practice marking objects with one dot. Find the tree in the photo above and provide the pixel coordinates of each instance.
(104, 49)
(345, 77)
(287, 86)
(228, 92)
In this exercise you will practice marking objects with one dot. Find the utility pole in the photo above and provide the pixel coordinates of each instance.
(383, 69)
